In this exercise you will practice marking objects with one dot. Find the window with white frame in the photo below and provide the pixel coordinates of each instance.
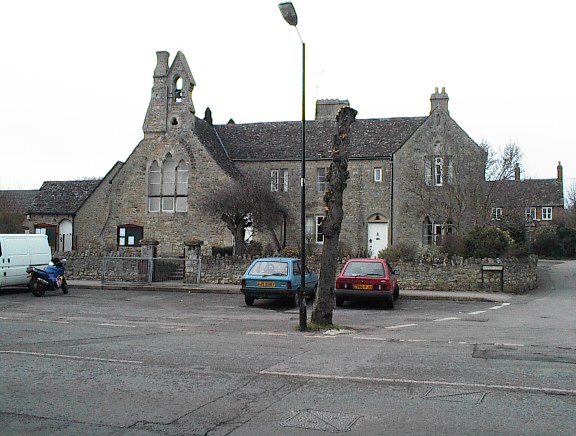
(546, 213)
(496, 213)
(438, 170)
(377, 175)
(279, 180)
(314, 228)
(530, 213)
(321, 174)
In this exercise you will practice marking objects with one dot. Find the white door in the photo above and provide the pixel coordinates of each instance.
(65, 236)
(377, 238)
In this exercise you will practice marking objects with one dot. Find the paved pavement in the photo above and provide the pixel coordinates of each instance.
(210, 288)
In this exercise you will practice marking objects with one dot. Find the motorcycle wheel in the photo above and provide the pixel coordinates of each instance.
(64, 286)
(36, 287)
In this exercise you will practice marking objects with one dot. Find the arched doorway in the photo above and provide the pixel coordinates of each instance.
(377, 234)
(65, 235)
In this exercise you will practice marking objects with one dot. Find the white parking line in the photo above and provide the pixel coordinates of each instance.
(116, 325)
(400, 326)
(512, 388)
(478, 312)
(266, 334)
(66, 356)
(450, 318)
(53, 321)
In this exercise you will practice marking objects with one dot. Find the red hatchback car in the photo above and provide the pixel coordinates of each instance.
(372, 279)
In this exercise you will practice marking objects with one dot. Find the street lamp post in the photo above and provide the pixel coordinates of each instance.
(289, 14)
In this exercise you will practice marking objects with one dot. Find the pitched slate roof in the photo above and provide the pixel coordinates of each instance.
(371, 138)
(527, 193)
(62, 197)
(18, 201)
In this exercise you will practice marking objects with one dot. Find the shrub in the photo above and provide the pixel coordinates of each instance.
(254, 248)
(487, 242)
(397, 252)
(453, 245)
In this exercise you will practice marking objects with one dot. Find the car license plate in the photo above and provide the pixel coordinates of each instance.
(364, 287)
(266, 284)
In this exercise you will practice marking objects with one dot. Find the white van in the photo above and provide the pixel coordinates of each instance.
(17, 252)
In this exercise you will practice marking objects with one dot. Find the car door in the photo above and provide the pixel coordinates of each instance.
(3, 265)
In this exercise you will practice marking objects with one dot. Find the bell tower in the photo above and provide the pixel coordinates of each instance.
(171, 109)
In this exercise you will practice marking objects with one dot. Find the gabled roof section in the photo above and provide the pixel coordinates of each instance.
(527, 193)
(17, 201)
(213, 144)
(369, 139)
(181, 63)
(62, 198)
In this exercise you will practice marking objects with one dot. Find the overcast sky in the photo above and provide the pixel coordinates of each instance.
(76, 75)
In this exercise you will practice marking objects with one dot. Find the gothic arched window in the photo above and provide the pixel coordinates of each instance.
(168, 186)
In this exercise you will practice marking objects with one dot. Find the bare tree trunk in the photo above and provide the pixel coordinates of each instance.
(331, 226)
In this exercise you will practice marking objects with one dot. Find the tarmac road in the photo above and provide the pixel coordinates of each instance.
(112, 362)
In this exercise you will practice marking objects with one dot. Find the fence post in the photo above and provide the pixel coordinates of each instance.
(194, 249)
(149, 247)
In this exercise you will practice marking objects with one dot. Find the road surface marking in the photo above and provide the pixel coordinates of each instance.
(478, 312)
(56, 322)
(266, 334)
(104, 324)
(511, 388)
(450, 318)
(400, 326)
(66, 356)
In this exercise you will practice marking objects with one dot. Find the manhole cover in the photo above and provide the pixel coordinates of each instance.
(446, 394)
(321, 420)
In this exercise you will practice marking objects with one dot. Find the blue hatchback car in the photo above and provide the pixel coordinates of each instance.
(277, 278)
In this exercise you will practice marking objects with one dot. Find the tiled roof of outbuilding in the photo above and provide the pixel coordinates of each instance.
(527, 193)
(18, 201)
(62, 197)
(373, 138)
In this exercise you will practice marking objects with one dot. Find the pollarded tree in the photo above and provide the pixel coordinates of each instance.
(331, 225)
(246, 202)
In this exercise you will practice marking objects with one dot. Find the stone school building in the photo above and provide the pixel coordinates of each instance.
(412, 179)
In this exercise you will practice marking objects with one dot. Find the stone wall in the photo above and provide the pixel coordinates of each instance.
(484, 275)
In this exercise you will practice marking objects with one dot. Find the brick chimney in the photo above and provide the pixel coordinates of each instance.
(328, 109)
(439, 100)
(559, 169)
(517, 172)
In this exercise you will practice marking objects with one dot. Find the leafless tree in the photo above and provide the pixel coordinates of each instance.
(331, 225)
(570, 205)
(246, 202)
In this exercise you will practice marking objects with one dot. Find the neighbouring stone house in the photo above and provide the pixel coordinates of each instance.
(412, 179)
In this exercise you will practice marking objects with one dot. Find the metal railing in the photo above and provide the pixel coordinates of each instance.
(148, 270)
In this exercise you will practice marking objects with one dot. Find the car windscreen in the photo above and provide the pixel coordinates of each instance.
(269, 268)
(364, 269)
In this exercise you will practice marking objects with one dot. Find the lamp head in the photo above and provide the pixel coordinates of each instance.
(289, 13)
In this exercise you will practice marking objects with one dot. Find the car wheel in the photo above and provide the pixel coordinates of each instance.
(389, 303)
(312, 296)
(249, 300)
(295, 299)
(396, 292)
(339, 301)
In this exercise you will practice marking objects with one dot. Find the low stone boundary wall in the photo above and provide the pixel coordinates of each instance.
(458, 274)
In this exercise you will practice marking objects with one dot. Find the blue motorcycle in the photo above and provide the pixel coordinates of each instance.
(49, 279)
